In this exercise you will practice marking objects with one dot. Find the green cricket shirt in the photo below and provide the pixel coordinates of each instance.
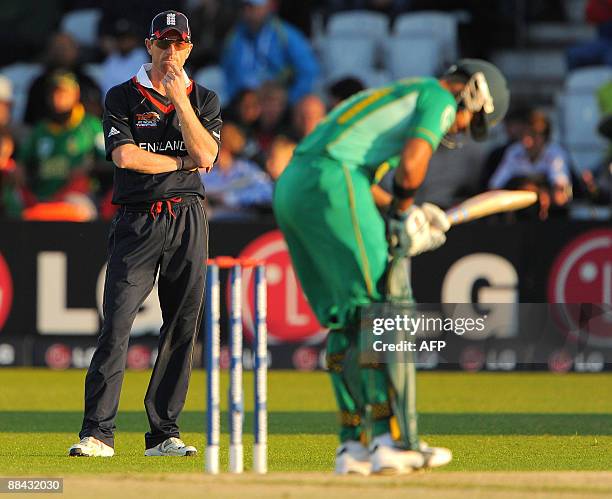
(52, 152)
(372, 126)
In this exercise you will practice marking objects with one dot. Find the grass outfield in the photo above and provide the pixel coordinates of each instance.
(492, 422)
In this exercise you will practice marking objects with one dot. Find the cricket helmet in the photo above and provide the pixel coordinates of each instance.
(486, 94)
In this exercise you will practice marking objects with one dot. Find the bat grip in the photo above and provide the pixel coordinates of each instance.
(456, 215)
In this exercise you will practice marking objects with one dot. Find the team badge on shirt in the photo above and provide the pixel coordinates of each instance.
(147, 120)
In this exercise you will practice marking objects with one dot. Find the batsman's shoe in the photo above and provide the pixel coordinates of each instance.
(352, 458)
(91, 447)
(387, 459)
(435, 456)
(172, 447)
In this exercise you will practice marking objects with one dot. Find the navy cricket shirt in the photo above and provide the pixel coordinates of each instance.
(134, 113)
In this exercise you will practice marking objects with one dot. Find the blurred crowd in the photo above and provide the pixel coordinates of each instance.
(52, 160)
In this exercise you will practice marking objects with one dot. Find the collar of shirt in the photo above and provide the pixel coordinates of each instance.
(143, 78)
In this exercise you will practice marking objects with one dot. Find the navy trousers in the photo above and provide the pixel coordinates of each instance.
(168, 239)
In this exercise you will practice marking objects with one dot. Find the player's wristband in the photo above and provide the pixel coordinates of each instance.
(402, 193)
(395, 213)
(182, 164)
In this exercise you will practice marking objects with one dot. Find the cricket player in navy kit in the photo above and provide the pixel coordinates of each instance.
(160, 128)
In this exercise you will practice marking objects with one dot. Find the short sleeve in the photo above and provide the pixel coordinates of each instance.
(433, 116)
(98, 137)
(210, 117)
(385, 168)
(116, 121)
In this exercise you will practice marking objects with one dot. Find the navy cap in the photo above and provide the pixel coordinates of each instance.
(170, 20)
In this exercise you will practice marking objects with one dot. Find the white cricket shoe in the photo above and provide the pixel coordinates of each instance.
(172, 447)
(435, 456)
(91, 447)
(352, 458)
(387, 459)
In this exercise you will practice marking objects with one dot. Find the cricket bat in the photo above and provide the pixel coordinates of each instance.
(489, 203)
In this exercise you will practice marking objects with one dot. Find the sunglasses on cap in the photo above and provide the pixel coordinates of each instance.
(165, 43)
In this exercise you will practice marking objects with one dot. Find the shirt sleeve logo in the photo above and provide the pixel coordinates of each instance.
(147, 120)
(113, 131)
(447, 118)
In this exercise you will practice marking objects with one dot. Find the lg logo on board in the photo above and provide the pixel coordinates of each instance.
(581, 277)
(290, 318)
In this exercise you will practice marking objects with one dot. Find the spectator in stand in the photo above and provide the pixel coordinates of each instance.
(343, 89)
(6, 101)
(262, 47)
(11, 176)
(598, 51)
(62, 149)
(307, 114)
(62, 54)
(236, 188)
(6, 109)
(536, 163)
(126, 56)
(515, 125)
(280, 154)
(598, 181)
(273, 118)
(211, 21)
(245, 111)
(10, 195)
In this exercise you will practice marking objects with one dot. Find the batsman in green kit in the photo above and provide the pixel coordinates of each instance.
(340, 243)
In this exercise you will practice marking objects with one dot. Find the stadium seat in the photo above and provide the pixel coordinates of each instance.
(82, 25)
(580, 116)
(360, 23)
(439, 25)
(212, 77)
(531, 64)
(344, 53)
(21, 76)
(413, 56)
(588, 79)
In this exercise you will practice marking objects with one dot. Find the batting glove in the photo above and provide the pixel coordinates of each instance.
(418, 229)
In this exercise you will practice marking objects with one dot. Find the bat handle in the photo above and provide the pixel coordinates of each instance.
(456, 215)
